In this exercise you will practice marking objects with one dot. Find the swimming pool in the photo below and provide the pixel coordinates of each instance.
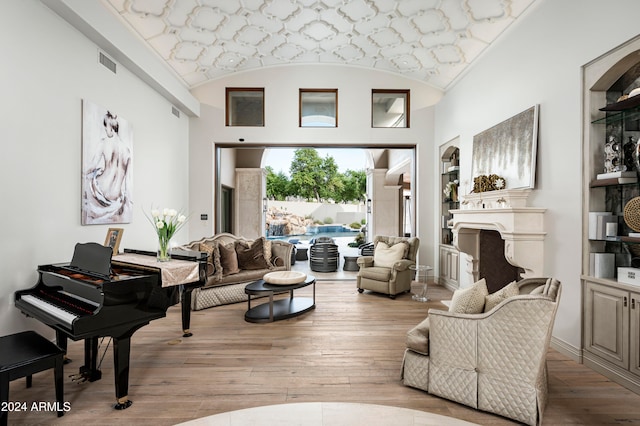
(315, 231)
(329, 229)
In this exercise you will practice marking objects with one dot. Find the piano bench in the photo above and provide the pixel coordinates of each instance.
(26, 353)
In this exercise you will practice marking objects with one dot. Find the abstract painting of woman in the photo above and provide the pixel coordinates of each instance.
(107, 167)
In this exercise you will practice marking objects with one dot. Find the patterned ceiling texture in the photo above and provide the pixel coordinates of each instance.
(428, 40)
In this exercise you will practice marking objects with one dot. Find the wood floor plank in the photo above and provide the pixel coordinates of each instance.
(348, 349)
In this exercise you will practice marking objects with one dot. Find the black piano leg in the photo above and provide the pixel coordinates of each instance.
(121, 354)
(89, 371)
(186, 311)
(61, 341)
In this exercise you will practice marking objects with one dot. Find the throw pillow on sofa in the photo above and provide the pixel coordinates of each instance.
(228, 259)
(211, 267)
(251, 255)
(469, 300)
(494, 299)
(268, 253)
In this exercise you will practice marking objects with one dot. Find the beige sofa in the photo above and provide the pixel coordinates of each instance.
(493, 361)
(226, 285)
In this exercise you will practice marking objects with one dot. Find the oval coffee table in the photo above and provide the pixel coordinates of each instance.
(279, 309)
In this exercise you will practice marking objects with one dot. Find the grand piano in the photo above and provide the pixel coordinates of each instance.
(92, 297)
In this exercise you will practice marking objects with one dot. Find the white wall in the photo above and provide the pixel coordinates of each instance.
(539, 62)
(281, 86)
(48, 68)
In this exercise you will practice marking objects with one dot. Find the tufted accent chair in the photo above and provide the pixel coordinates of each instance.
(494, 361)
(384, 278)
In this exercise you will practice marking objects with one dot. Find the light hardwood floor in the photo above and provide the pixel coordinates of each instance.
(349, 349)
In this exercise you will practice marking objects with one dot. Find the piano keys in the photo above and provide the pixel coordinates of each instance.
(88, 299)
(49, 307)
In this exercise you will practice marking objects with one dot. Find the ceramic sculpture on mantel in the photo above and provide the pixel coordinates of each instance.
(489, 192)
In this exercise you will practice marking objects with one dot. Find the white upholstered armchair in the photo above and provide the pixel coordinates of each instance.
(493, 361)
(387, 271)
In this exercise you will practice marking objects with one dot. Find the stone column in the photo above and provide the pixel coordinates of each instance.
(250, 190)
(385, 217)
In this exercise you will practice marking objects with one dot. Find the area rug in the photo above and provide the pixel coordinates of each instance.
(325, 414)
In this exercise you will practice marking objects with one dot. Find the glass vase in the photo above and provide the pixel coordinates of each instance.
(419, 286)
(164, 250)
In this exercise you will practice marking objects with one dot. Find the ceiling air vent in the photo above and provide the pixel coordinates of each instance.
(175, 111)
(107, 62)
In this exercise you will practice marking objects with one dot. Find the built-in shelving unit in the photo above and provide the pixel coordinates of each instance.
(450, 200)
(611, 307)
(611, 195)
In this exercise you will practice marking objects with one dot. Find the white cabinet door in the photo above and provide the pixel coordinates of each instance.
(634, 333)
(449, 266)
(453, 265)
(607, 323)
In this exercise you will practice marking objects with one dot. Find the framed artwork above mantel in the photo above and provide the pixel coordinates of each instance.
(509, 149)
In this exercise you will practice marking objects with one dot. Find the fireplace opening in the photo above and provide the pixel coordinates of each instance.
(493, 265)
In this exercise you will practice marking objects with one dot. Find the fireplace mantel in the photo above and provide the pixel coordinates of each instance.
(521, 228)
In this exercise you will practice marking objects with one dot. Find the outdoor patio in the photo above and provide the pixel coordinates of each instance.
(340, 274)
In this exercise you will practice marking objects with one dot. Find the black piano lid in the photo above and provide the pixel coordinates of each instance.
(92, 258)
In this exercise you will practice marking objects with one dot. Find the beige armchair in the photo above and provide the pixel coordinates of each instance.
(387, 271)
(493, 361)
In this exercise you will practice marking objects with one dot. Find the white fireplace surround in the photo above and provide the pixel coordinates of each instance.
(505, 211)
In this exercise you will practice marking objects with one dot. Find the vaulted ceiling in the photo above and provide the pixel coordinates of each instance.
(432, 41)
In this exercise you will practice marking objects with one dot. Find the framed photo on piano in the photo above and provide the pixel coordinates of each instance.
(114, 235)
